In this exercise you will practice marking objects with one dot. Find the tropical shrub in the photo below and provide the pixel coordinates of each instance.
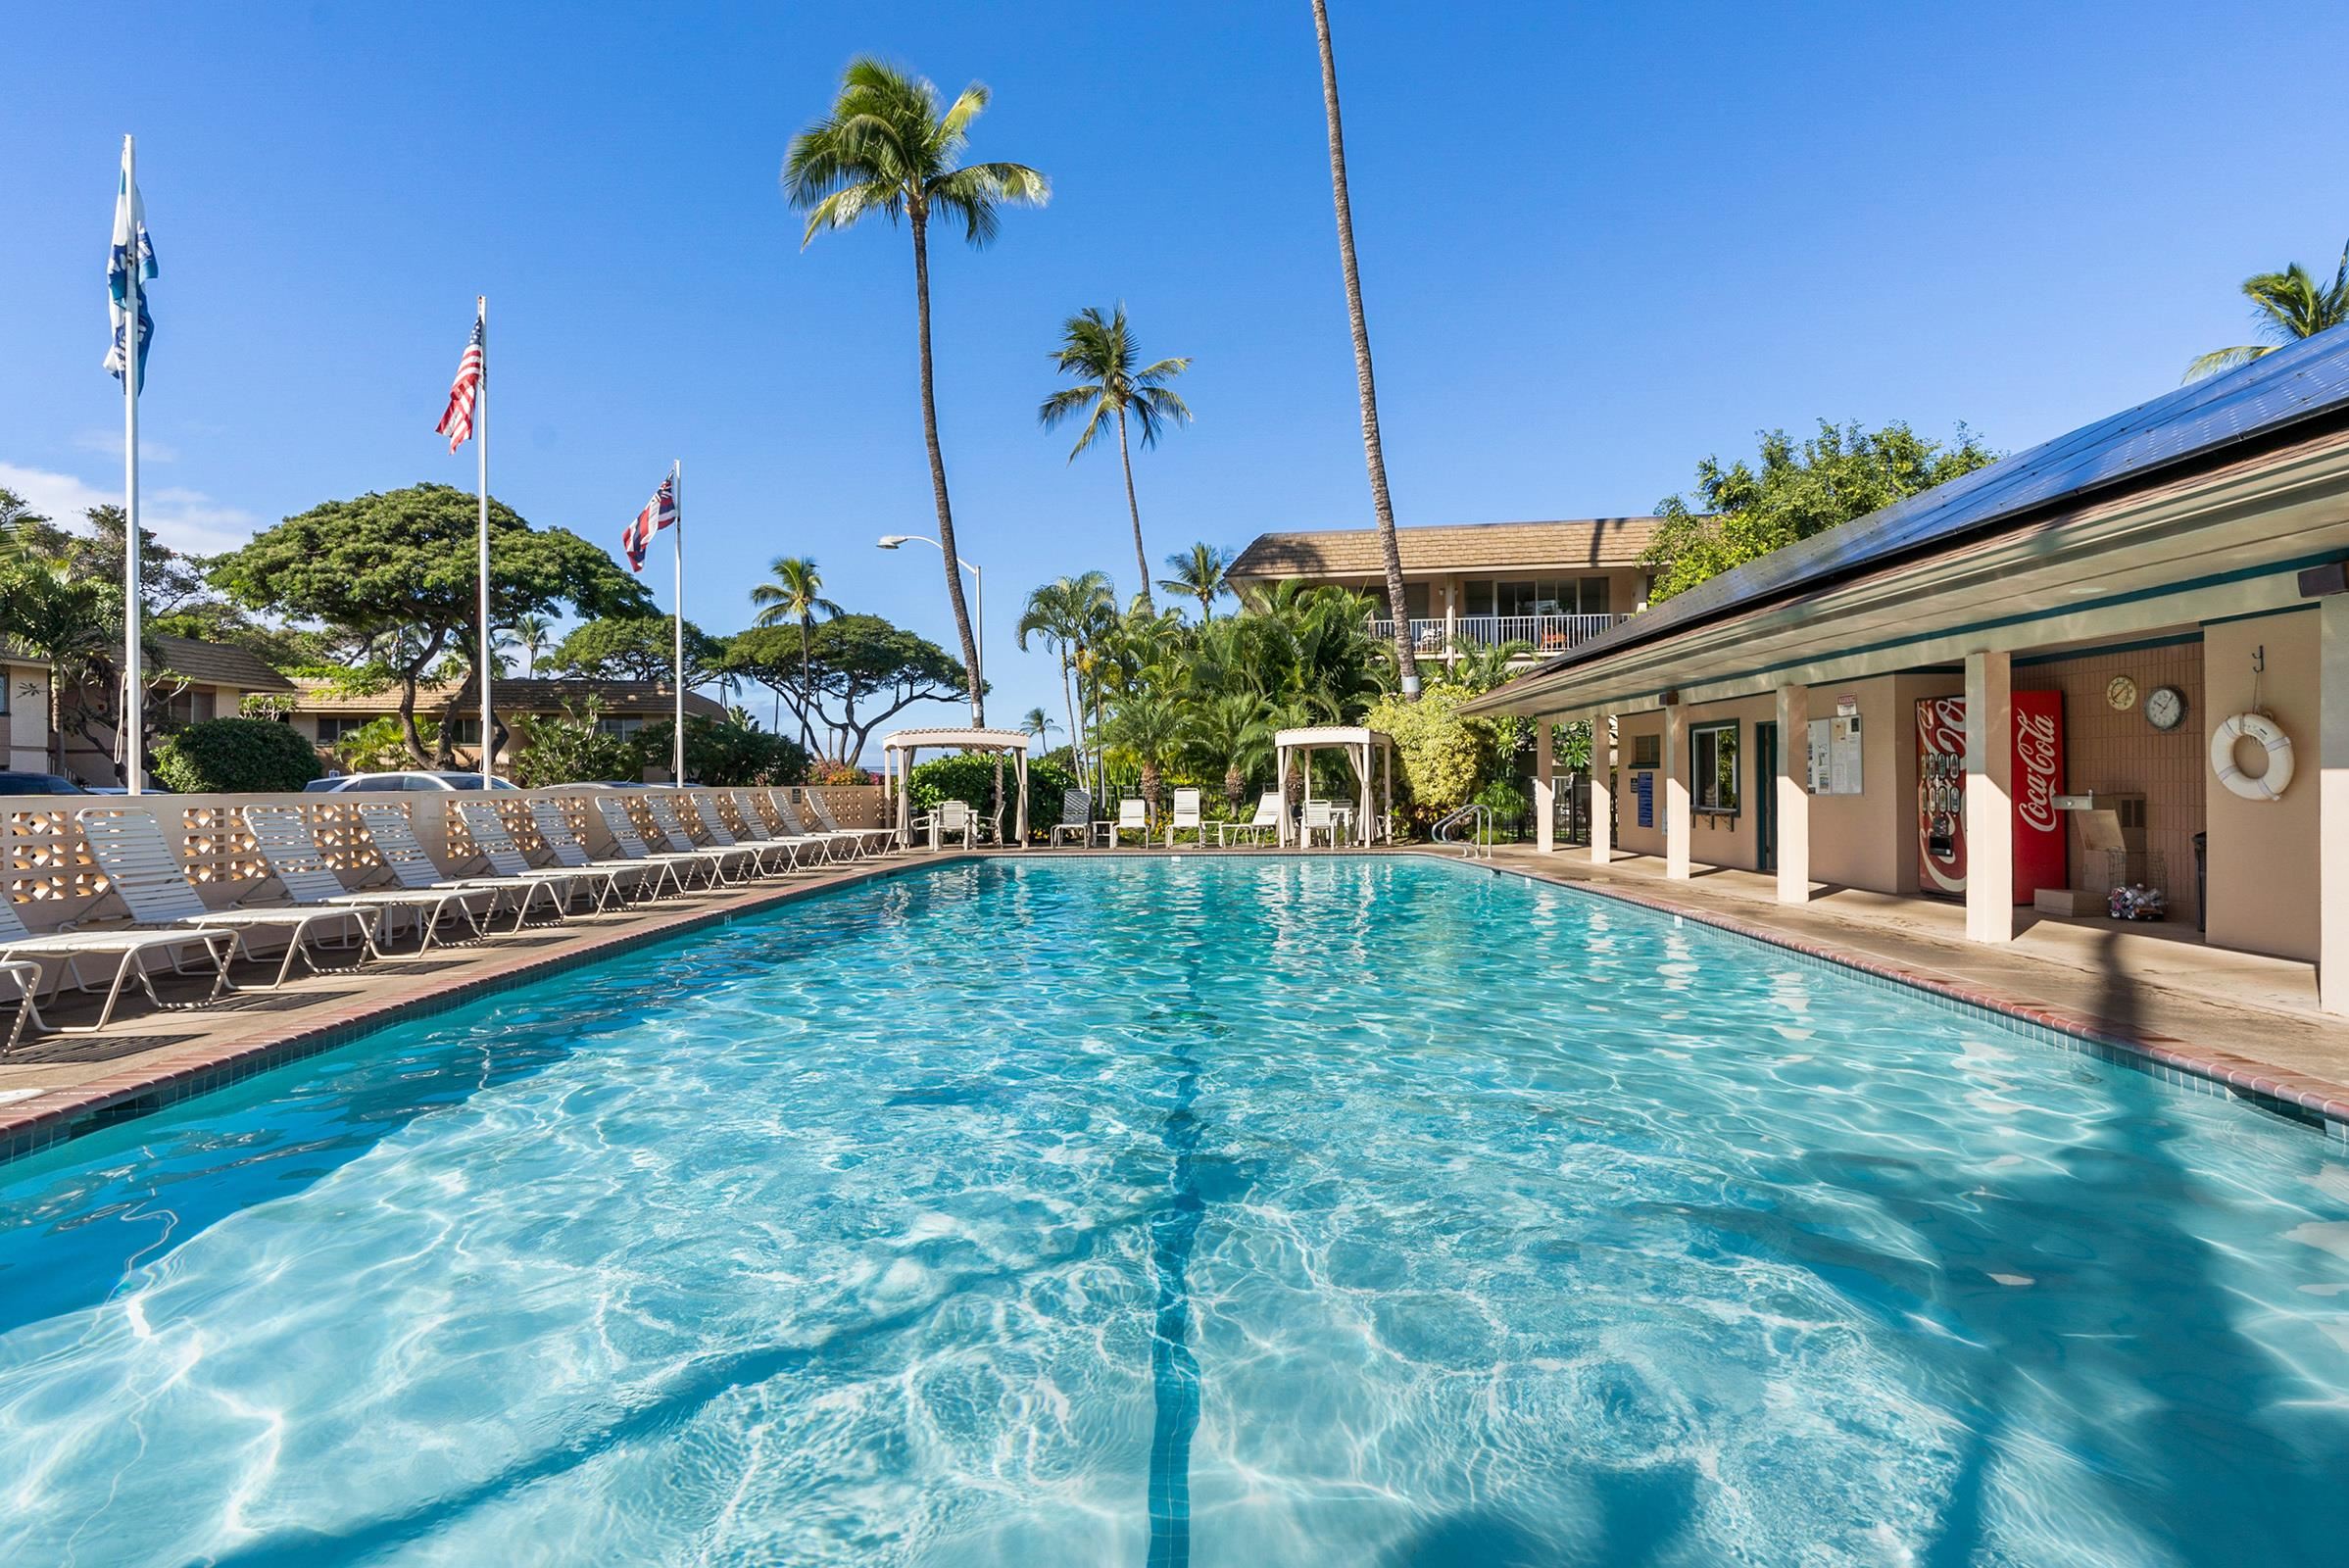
(376, 745)
(828, 773)
(223, 756)
(1442, 755)
(970, 778)
(571, 750)
(727, 755)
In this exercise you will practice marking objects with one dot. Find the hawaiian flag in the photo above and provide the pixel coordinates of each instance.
(130, 251)
(658, 514)
(457, 423)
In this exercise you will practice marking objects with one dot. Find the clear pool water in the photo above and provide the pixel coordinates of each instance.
(1263, 1213)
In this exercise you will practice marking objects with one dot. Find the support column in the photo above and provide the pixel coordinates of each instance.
(2333, 808)
(1602, 791)
(1793, 795)
(1545, 788)
(1675, 792)
(1990, 797)
(1451, 619)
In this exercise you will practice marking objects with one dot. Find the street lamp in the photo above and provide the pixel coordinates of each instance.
(978, 673)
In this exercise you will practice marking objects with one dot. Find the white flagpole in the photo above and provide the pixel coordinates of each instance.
(481, 457)
(134, 684)
(676, 476)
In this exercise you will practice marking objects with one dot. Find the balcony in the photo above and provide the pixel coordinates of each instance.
(1543, 634)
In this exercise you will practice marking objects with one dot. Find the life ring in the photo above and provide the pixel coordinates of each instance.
(2265, 730)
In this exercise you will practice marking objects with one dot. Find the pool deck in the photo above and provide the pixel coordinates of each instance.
(2247, 1023)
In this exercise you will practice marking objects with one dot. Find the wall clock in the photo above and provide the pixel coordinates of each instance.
(2165, 707)
(2122, 693)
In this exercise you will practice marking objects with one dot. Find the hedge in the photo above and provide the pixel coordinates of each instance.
(235, 756)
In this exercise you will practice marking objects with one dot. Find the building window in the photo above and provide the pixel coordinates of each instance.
(1713, 767)
(465, 732)
(1648, 751)
(332, 727)
(622, 728)
(1476, 598)
(1591, 592)
(1415, 601)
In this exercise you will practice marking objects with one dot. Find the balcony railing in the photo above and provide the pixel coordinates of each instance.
(1544, 634)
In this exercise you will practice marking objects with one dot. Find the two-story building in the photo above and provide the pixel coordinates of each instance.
(1546, 586)
(196, 681)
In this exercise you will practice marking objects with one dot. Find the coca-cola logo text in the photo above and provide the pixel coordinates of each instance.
(2035, 753)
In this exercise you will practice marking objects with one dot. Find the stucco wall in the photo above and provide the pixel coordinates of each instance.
(25, 730)
(2263, 853)
(1629, 836)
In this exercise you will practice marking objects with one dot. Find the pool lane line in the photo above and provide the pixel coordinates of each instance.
(1174, 1366)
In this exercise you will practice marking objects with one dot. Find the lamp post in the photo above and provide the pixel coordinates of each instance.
(978, 674)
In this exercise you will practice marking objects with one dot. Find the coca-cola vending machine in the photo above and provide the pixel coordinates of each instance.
(2041, 860)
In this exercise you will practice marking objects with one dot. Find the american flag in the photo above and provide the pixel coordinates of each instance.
(658, 514)
(458, 423)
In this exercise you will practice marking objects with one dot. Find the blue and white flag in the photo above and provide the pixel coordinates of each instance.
(130, 248)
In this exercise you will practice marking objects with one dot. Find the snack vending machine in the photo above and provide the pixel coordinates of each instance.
(2041, 857)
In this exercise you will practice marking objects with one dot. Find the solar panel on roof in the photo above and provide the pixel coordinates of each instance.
(2276, 390)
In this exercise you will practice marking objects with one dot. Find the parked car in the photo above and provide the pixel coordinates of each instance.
(38, 784)
(386, 783)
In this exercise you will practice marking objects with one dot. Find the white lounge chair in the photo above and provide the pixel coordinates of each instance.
(627, 874)
(26, 976)
(1133, 817)
(872, 840)
(487, 829)
(622, 829)
(396, 842)
(128, 847)
(838, 844)
(806, 854)
(774, 858)
(1186, 815)
(20, 950)
(291, 851)
(1256, 829)
(735, 863)
(1076, 816)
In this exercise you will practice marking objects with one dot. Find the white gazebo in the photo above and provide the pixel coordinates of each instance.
(1357, 743)
(896, 762)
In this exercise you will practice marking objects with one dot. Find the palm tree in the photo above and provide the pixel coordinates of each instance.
(1102, 351)
(796, 595)
(1069, 615)
(1150, 725)
(1200, 572)
(532, 635)
(1039, 723)
(887, 147)
(69, 623)
(2288, 306)
(1226, 730)
(1373, 453)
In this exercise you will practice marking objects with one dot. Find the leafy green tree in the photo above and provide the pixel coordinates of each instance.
(573, 748)
(796, 596)
(1100, 351)
(70, 623)
(2287, 306)
(1741, 512)
(888, 147)
(1069, 613)
(641, 648)
(1443, 755)
(859, 673)
(1147, 727)
(726, 755)
(1203, 572)
(1374, 453)
(394, 572)
(235, 756)
(1230, 732)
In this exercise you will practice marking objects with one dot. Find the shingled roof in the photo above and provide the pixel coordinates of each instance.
(618, 699)
(1563, 546)
(219, 665)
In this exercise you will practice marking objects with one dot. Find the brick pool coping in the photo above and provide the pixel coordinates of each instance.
(54, 1116)
(57, 1115)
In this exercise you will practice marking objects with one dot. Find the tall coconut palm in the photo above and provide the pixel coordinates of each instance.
(1101, 350)
(531, 636)
(1069, 613)
(1040, 724)
(2287, 306)
(1202, 571)
(888, 147)
(797, 594)
(1373, 453)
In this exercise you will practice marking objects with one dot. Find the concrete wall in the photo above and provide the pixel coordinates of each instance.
(24, 732)
(2263, 853)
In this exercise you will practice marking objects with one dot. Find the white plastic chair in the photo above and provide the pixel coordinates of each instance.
(291, 850)
(1266, 822)
(956, 816)
(555, 832)
(20, 950)
(624, 838)
(1133, 817)
(1186, 815)
(394, 839)
(1320, 818)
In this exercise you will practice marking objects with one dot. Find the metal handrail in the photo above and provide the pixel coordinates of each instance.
(1479, 843)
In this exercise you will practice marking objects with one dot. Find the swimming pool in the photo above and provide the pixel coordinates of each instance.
(1219, 1211)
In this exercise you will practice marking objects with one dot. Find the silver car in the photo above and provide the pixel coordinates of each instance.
(388, 783)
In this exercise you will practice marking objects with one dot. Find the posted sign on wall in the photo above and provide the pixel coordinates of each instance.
(1643, 792)
(1835, 754)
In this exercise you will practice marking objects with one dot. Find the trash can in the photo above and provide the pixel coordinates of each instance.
(2202, 844)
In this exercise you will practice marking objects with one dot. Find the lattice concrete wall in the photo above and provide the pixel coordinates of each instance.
(47, 874)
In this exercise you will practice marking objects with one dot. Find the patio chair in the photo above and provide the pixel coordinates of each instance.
(555, 833)
(735, 863)
(956, 816)
(838, 844)
(625, 838)
(130, 848)
(1133, 817)
(1186, 815)
(1320, 817)
(771, 857)
(754, 829)
(405, 858)
(877, 840)
(495, 845)
(20, 950)
(291, 852)
(1076, 816)
(1266, 822)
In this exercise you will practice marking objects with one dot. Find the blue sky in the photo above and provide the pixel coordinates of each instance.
(1597, 244)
